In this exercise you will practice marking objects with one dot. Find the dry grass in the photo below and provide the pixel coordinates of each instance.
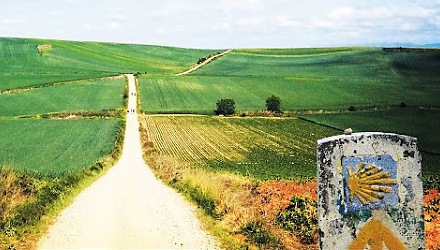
(231, 195)
(238, 200)
(15, 189)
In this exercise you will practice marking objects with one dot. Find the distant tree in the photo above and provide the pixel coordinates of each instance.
(273, 103)
(225, 107)
(352, 108)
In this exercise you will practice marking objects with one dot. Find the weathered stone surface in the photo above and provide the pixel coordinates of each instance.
(370, 193)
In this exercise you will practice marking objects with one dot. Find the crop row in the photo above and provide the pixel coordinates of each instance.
(239, 145)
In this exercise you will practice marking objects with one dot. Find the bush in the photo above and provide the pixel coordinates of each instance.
(254, 231)
(225, 107)
(273, 103)
(352, 108)
(14, 189)
(300, 218)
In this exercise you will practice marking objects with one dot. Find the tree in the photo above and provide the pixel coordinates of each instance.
(225, 107)
(273, 103)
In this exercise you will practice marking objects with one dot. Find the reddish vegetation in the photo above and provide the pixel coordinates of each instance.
(432, 219)
(273, 196)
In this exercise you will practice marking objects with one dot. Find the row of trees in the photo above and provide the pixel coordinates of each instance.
(227, 106)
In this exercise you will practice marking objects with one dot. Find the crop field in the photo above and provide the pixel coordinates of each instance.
(310, 80)
(22, 64)
(45, 148)
(193, 94)
(124, 57)
(198, 94)
(84, 96)
(258, 147)
(420, 123)
(30, 80)
(304, 79)
(329, 64)
(39, 76)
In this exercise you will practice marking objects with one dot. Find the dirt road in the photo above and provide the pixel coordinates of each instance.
(128, 208)
(196, 67)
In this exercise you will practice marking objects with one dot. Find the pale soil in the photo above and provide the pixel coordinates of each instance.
(128, 208)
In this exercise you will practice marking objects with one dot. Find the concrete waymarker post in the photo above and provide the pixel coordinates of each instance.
(370, 192)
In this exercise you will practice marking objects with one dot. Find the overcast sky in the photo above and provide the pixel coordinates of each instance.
(225, 23)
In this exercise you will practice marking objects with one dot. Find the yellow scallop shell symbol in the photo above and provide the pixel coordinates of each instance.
(369, 183)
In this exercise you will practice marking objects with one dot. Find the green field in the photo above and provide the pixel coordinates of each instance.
(55, 147)
(258, 147)
(84, 96)
(421, 123)
(331, 79)
(305, 79)
(22, 65)
(24, 80)
(310, 80)
(39, 76)
(355, 64)
(194, 94)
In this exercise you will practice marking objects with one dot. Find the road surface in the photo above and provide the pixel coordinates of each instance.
(128, 208)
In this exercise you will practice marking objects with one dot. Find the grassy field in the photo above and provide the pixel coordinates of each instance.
(420, 123)
(194, 94)
(330, 79)
(14, 81)
(258, 147)
(55, 147)
(198, 94)
(231, 160)
(83, 96)
(23, 65)
(355, 64)
(50, 67)
(123, 57)
(280, 148)
(43, 163)
(304, 79)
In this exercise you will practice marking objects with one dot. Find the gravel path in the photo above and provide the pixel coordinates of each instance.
(196, 67)
(128, 208)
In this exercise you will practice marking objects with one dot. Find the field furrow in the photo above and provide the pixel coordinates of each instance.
(239, 145)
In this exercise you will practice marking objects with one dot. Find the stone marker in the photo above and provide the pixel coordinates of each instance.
(370, 192)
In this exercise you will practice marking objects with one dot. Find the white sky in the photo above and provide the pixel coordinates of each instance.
(225, 23)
